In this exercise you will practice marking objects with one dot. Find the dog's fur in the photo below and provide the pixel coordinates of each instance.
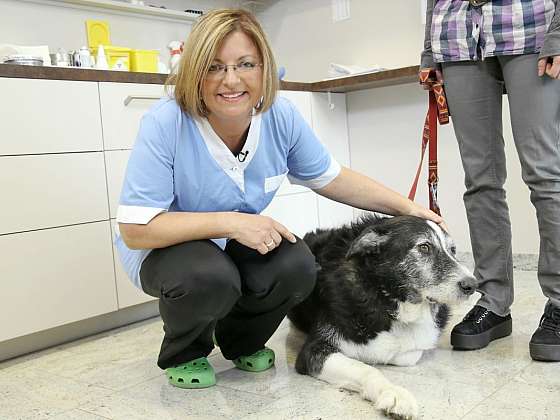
(382, 295)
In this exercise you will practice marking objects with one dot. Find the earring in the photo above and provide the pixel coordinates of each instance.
(259, 104)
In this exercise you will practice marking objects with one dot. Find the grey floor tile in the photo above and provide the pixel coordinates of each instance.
(36, 394)
(77, 414)
(541, 374)
(518, 400)
(440, 398)
(114, 376)
(157, 399)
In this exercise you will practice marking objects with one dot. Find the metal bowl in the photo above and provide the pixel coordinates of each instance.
(23, 59)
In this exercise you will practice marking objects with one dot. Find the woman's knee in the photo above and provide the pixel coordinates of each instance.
(202, 281)
(299, 271)
(194, 273)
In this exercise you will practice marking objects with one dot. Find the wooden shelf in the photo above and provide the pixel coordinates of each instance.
(347, 84)
(121, 8)
(367, 81)
(86, 75)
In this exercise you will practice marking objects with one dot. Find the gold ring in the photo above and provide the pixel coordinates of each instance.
(269, 244)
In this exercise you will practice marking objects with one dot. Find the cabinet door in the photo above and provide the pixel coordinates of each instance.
(115, 161)
(298, 212)
(41, 191)
(122, 107)
(127, 293)
(48, 116)
(55, 276)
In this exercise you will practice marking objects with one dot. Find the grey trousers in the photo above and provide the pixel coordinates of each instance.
(474, 93)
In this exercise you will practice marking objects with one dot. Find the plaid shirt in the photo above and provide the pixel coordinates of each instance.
(508, 27)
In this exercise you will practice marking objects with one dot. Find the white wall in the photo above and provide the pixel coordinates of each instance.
(305, 39)
(25, 23)
(384, 131)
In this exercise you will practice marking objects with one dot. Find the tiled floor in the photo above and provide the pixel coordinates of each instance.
(114, 376)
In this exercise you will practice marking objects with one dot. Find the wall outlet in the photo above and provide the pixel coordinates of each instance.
(340, 10)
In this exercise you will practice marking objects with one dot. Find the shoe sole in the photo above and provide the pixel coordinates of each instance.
(478, 341)
(544, 352)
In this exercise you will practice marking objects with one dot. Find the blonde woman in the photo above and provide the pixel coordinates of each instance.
(204, 165)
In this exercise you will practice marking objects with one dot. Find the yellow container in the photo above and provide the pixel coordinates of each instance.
(116, 56)
(145, 61)
(98, 33)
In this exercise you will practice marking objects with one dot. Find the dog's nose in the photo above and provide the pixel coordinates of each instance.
(468, 286)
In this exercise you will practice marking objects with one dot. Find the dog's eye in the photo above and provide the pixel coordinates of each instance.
(453, 250)
(424, 248)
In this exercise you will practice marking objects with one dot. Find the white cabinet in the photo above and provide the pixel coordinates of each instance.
(122, 107)
(56, 276)
(48, 116)
(55, 235)
(41, 191)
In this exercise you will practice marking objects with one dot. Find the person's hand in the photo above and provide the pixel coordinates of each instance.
(259, 232)
(550, 66)
(424, 213)
(429, 83)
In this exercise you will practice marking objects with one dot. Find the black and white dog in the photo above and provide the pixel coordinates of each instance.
(382, 295)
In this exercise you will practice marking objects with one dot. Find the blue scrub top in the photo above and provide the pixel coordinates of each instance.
(179, 163)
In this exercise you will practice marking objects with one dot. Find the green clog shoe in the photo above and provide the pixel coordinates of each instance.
(197, 373)
(257, 362)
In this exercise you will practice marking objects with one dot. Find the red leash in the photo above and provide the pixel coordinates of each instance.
(437, 110)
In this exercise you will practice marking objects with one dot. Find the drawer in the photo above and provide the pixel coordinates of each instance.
(116, 161)
(298, 212)
(127, 293)
(40, 191)
(55, 276)
(120, 120)
(49, 116)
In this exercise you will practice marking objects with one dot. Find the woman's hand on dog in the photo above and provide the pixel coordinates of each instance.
(261, 233)
(424, 213)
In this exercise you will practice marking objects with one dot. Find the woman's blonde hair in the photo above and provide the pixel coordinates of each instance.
(201, 49)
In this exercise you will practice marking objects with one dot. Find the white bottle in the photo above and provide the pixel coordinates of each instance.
(175, 50)
(101, 61)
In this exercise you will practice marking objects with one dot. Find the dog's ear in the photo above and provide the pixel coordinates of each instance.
(367, 243)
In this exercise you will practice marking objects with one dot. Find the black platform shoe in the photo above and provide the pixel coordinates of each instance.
(545, 342)
(479, 327)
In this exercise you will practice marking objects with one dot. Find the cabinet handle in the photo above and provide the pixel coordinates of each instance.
(130, 98)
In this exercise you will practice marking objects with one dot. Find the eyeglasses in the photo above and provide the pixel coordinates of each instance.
(218, 71)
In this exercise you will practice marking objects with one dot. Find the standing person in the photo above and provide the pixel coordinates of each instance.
(483, 47)
(205, 164)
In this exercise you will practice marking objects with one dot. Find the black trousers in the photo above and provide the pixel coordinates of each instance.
(239, 293)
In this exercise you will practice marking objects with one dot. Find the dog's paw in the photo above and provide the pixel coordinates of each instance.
(397, 403)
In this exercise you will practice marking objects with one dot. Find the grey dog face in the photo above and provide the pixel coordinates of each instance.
(421, 257)
(435, 272)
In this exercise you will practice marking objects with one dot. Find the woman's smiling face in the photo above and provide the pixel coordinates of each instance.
(229, 94)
